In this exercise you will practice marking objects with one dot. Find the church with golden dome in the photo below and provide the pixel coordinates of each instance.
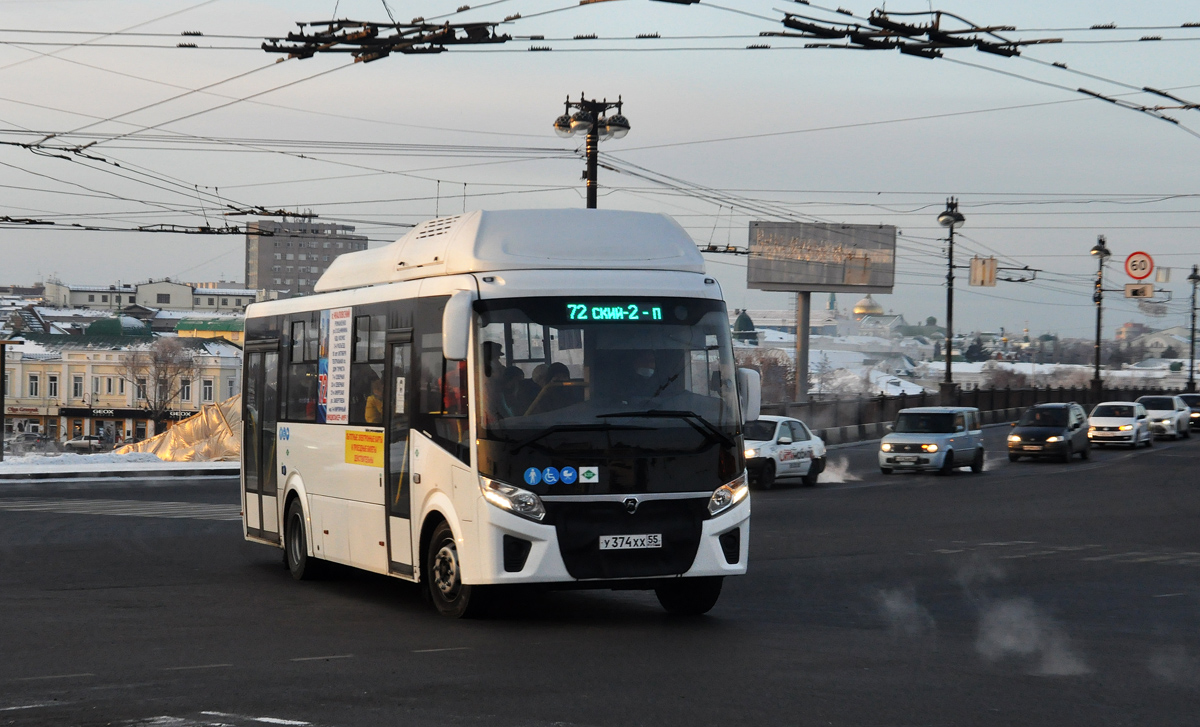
(867, 307)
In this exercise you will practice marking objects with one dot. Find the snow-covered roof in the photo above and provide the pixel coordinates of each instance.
(226, 291)
(486, 241)
(46, 311)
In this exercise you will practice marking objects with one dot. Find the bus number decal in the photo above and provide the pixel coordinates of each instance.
(578, 311)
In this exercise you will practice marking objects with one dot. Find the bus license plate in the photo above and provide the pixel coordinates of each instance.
(630, 542)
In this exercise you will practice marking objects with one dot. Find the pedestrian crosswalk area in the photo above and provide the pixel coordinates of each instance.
(123, 508)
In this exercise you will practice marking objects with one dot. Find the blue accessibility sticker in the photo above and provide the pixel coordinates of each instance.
(550, 475)
(569, 475)
(533, 476)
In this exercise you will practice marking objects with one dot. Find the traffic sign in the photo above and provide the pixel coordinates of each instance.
(1139, 290)
(1139, 265)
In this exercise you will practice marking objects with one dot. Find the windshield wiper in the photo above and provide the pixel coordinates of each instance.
(555, 429)
(694, 420)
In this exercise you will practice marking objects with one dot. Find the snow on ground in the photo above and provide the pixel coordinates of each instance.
(70, 463)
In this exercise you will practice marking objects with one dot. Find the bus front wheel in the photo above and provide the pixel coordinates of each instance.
(295, 547)
(689, 596)
(443, 571)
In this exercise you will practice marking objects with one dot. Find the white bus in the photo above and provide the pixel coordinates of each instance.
(511, 397)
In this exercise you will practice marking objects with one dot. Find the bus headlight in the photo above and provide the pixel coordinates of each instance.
(728, 495)
(514, 499)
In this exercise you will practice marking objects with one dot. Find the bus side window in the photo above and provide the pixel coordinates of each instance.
(302, 371)
(442, 385)
(366, 367)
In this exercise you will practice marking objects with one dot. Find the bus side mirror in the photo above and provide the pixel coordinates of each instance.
(749, 386)
(456, 325)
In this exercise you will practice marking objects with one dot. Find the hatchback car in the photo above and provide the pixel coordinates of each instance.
(1119, 422)
(1050, 430)
(1168, 415)
(782, 447)
(941, 438)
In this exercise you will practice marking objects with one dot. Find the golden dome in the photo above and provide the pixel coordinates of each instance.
(867, 307)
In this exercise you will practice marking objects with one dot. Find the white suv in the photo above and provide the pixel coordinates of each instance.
(782, 447)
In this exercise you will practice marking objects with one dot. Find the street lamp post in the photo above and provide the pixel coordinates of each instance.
(591, 120)
(1101, 252)
(1194, 278)
(951, 218)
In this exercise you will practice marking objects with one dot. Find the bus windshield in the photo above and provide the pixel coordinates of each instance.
(641, 390)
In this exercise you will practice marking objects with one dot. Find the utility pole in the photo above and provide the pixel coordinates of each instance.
(1194, 279)
(950, 218)
(590, 119)
(1100, 250)
(3, 363)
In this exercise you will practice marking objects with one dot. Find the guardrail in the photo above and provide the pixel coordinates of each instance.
(862, 418)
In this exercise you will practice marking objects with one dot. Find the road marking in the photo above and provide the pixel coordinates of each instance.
(449, 648)
(266, 720)
(126, 508)
(319, 658)
(56, 676)
(1002, 544)
(1111, 556)
(201, 666)
(1168, 595)
(23, 706)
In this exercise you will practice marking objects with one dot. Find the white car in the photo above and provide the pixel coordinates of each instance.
(1119, 422)
(1169, 416)
(782, 447)
(86, 443)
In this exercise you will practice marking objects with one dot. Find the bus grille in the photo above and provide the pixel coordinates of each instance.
(580, 525)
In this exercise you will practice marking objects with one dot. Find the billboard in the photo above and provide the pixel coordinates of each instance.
(821, 257)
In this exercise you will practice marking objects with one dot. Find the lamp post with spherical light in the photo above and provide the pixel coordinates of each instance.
(591, 119)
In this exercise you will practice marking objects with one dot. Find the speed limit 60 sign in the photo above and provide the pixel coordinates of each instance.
(1139, 265)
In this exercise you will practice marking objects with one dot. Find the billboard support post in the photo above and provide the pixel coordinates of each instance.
(818, 257)
(803, 316)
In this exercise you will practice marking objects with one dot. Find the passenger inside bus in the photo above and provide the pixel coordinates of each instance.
(558, 392)
(373, 413)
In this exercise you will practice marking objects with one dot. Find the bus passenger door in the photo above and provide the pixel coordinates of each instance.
(397, 491)
(258, 444)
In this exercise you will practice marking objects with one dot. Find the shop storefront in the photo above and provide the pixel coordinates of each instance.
(30, 420)
(116, 426)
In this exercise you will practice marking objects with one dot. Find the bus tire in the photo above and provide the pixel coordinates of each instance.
(449, 594)
(689, 596)
(302, 566)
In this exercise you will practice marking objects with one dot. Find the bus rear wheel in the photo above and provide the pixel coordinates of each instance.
(689, 596)
(295, 546)
(443, 574)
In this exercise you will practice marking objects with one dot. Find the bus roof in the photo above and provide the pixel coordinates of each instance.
(487, 241)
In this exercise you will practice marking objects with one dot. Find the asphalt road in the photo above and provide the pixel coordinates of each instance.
(1031, 594)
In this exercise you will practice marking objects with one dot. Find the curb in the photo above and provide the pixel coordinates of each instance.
(126, 474)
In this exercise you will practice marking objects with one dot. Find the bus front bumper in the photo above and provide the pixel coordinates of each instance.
(566, 547)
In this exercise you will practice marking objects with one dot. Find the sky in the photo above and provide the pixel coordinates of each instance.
(875, 137)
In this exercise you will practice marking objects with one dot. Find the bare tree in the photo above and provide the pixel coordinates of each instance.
(160, 372)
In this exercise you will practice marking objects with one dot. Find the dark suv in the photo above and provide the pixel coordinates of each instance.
(1050, 430)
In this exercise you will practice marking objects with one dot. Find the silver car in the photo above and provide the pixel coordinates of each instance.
(941, 438)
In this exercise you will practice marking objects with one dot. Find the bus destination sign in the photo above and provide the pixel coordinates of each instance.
(639, 312)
